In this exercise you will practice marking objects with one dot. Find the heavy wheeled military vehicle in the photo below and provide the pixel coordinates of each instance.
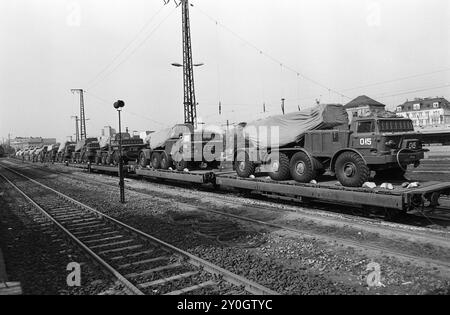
(85, 151)
(182, 148)
(109, 149)
(65, 151)
(51, 154)
(383, 143)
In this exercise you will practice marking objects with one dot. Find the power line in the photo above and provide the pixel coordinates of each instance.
(414, 91)
(268, 56)
(104, 101)
(144, 27)
(134, 50)
(396, 80)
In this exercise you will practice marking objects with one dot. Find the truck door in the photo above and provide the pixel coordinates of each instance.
(365, 137)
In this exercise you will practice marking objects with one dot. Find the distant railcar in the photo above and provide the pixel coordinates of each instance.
(2, 152)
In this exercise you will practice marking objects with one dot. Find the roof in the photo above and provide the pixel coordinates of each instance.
(363, 100)
(426, 103)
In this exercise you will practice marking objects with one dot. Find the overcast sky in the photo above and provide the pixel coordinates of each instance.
(259, 52)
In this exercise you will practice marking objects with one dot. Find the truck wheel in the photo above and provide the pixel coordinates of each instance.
(166, 161)
(156, 161)
(280, 168)
(245, 168)
(104, 161)
(351, 170)
(301, 167)
(181, 165)
(143, 161)
(115, 158)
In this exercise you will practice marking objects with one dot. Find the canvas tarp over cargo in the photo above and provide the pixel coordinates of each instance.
(158, 139)
(82, 143)
(293, 126)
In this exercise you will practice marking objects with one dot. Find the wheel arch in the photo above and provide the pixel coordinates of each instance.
(338, 153)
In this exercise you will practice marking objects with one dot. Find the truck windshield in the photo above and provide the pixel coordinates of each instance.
(403, 125)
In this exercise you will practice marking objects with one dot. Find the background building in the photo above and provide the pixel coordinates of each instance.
(363, 106)
(426, 112)
(22, 143)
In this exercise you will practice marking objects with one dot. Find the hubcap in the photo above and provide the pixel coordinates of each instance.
(242, 166)
(300, 168)
(349, 169)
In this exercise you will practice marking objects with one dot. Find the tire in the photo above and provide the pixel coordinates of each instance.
(104, 160)
(115, 158)
(245, 168)
(143, 161)
(181, 165)
(166, 161)
(156, 160)
(302, 168)
(282, 168)
(351, 170)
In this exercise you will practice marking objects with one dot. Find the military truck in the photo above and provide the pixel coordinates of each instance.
(65, 151)
(85, 151)
(199, 150)
(157, 152)
(109, 149)
(50, 155)
(383, 143)
(180, 147)
(39, 154)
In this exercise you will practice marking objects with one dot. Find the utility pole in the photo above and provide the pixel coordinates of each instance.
(190, 104)
(282, 105)
(83, 134)
(77, 132)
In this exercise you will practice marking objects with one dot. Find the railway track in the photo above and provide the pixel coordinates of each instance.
(439, 217)
(142, 263)
(440, 239)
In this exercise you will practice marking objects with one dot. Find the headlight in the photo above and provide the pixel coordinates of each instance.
(391, 143)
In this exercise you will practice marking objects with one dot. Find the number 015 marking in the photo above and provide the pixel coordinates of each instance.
(365, 141)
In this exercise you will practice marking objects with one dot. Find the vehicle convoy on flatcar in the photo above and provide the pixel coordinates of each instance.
(320, 139)
(109, 152)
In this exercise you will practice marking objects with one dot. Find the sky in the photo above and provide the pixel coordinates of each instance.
(254, 52)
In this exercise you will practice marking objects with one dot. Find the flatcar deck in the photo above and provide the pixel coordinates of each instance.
(399, 198)
(199, 177)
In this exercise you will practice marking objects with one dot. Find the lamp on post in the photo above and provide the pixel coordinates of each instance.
(119, 105)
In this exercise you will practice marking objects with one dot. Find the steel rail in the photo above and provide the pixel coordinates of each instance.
(230, 277)
(93, 255)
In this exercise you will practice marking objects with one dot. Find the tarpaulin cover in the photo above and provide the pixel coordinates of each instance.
(82, 143)
(293, 126)
(63, 147)
(158, 139)
(104, 141)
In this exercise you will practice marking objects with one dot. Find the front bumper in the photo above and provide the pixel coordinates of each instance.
(405, 158)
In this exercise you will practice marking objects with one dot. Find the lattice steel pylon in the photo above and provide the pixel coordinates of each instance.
(190, 105)
(83, 134)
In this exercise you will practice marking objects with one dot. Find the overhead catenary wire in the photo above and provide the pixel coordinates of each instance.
(132, 52)
(396, 80)
(268, 56)
(126, 47)
(104, 101)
